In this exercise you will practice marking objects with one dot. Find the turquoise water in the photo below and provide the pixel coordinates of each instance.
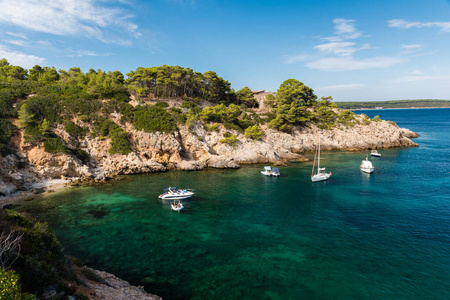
(247, 236)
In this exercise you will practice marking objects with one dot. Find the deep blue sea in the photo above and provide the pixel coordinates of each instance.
(247, 236)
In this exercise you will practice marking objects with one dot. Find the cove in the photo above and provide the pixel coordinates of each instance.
(247, 236)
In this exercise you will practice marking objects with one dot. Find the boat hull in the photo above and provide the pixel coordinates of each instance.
(177, 208)
(367, 170)
(376, 155)
(176, 194)
(175, 197)
(320, 177)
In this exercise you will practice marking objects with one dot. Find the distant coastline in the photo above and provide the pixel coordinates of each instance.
(394, 104)
(391, 108)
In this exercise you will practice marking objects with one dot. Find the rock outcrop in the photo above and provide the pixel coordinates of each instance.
(111, 287)
(191, 148)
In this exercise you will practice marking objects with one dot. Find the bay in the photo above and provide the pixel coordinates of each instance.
(247, 236)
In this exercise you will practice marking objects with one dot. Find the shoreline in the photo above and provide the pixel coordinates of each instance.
(46, 186)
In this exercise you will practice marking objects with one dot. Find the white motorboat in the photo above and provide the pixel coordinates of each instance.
(177, 205)
(173, 193)
(320, 176)
(366, 166)
(375, 153)
(275, 172)
(267, 171)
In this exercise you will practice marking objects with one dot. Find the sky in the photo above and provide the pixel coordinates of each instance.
(351, 50)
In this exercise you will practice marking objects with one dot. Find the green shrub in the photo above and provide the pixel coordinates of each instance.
(41, 262)
(393, 123)
(176, 110)
(10, 288)
(54, 145)
(6, 132)
(91, 275)
(103, 126)
(120, 143)
(74, 130)
(231, 140)
(162, 104)
(212, 127)
(253, 132)
(80, 154)
(188, 104)
(7, 100)
(376, 118)
(153, 119)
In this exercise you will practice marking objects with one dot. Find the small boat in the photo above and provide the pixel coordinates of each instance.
(366, 166)
(177, 205)
(375, 153)
(320, 176)
(173, 193)
(275, 172)
(267, 171)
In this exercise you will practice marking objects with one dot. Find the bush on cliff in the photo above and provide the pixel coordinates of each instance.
(41, 263)
(54, 145)
(231, 140)
(10, 287)
(74, 130)
(253, 132)
(120, 144)
(6, 132)
(153, 119)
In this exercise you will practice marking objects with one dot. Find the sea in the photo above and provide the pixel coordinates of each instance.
(247, 236)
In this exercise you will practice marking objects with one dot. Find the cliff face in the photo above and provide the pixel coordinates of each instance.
(187, 149)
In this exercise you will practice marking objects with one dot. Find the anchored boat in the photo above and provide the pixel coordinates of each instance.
(320, 176)
(177, 205)
(366, 166)
(173, 193)
(375, 153)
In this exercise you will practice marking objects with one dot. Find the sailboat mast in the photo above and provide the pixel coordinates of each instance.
(315, 156)
(318, 160)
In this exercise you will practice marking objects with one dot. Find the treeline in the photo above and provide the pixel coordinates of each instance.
(424, 103)
(175, 81)
(44, 98)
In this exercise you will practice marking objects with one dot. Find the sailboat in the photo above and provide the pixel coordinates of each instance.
(320, 176)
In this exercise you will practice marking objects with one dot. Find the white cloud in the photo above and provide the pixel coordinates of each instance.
(346, 28)
(351, 86)
(336, 64)
(403, 24)
(21, 43)
(338, 48)
(83, 53)
(291, 59)
(66, 17)
(17, 35)
(417, 75)
(411, 48)
(19, 58)
(416, 72)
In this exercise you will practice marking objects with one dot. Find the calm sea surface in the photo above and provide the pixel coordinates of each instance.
(247, 236)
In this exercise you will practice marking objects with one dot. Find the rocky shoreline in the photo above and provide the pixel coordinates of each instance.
(29, 169)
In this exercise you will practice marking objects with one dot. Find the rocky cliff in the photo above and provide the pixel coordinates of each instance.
(191, 148)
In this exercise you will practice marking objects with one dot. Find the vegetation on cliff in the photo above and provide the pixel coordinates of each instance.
(32, 261)
(97, 103)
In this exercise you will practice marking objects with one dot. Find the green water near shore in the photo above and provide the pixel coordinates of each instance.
(247, 236)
